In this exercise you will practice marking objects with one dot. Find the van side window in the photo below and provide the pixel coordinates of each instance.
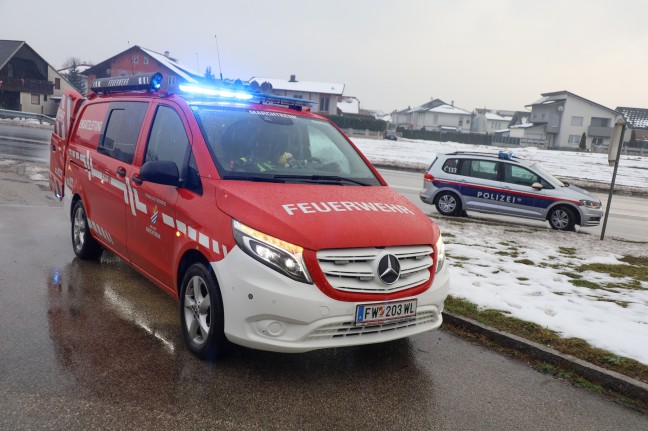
(484, 169)
(168, 141)
(122, 130)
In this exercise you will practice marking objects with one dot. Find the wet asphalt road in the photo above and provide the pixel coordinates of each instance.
(96, 346)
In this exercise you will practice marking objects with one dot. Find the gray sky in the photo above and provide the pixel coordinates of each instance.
(389, 53)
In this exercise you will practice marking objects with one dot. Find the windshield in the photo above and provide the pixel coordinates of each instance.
(255, 145)
(547, 176)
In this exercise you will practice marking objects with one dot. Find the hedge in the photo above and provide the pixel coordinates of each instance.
(360, 122)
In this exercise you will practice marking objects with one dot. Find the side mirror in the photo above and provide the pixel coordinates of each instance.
(537, 186)
(160, 172)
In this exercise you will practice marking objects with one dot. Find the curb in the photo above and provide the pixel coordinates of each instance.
(611, 380)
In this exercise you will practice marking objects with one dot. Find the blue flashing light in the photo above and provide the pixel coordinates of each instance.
(508, 155)
(210, 91)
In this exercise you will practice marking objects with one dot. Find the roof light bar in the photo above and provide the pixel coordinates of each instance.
(243, 91)
(144, 82)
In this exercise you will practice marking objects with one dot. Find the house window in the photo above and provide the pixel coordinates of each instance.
(57, 83)
(135, 59)
(544, 116)
(460, 121)
(435, 119)
(35, 99)
(574, 139)
(597, 141)
(145, 60)
(324, 104)
(600, 122)
(298, 96)
(576, 121)
(171, 81)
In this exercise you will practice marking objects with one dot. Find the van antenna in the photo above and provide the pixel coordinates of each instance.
(220, 70)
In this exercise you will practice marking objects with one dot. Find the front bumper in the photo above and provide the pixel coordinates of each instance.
(590, 216)
(267, 311)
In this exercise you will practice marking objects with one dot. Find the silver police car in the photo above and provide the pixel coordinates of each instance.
(505, 184)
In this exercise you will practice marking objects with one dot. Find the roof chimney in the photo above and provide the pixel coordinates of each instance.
(167, 53)
(293, 78)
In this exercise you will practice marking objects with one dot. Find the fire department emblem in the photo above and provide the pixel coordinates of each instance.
(154, 217)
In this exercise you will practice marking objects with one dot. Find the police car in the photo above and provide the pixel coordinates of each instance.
(504, 184)
(261, 218)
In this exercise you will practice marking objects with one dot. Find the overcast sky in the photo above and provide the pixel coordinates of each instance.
(389, 53)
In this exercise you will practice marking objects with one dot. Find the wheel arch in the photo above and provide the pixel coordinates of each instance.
(455, 192)
(190, 257)
(568, 205)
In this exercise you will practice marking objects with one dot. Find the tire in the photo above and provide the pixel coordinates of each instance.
(201, 313)
(83, 244)
(448, 204)
(562, 218)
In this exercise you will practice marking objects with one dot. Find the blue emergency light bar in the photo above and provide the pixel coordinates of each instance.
(116, 84)
(507, 155)
(243, 91)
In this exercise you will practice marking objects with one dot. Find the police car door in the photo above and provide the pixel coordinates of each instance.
(480, 185)
(152, 230)
(523, 200)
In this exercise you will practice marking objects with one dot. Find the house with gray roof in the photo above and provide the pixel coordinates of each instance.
(433, 115)
(559, 119)
(28, 83)
(325, 95)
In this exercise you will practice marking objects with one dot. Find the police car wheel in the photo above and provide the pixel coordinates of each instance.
(448, 204)
(562, 218)
(84, 245)
(201, 312)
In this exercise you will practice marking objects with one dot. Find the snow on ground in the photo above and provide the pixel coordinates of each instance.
(418, 154)
(530, 272)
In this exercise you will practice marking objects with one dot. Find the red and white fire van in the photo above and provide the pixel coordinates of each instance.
(263, 219)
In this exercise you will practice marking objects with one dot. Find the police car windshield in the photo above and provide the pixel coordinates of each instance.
(547, 176)
(258, 145)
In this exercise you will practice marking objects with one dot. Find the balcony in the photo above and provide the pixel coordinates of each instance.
(600, 132)
(8, 83)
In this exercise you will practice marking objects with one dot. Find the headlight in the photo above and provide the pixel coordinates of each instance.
(440, 248)
(279, 255)
(590, 204)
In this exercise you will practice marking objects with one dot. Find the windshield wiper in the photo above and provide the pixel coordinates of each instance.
(322, 179)
(265, 179)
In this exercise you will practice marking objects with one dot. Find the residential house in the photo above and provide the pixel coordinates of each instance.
(325, 95)
(136, 60)
(28, 83)
(490, 120)
(433, 115)
(636, 120)
(560, 118)
(348, 105)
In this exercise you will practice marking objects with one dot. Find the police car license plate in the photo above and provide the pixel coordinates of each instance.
(371, 314)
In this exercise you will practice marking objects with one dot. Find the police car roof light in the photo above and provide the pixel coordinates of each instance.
(143, 82)
(508, 155)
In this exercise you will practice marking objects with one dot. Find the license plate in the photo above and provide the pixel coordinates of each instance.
(371, 314)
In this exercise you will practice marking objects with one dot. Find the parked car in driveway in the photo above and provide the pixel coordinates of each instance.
(391, 135)
(508, 185)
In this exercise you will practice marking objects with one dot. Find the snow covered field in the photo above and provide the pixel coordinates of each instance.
(530, 272)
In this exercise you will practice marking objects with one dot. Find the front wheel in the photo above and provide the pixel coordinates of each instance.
(562, 218)
(448, 204)
(201, 312)
(84, 245)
